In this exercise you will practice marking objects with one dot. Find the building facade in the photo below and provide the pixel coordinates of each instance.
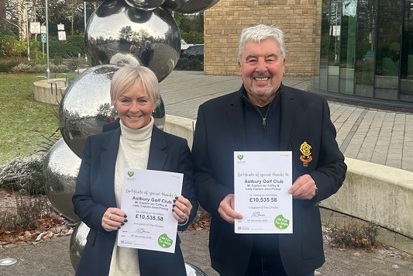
(358, 50)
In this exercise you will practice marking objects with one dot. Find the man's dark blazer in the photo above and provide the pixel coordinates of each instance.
(95, 193)
(220, 130)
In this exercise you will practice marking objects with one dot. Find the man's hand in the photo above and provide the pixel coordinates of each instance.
(226, 209)
(303, 188)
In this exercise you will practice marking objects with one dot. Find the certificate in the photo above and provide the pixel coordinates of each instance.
(261, 183)
(147, 200)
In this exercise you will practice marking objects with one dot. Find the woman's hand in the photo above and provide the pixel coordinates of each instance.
(181, 209)
(113, 219)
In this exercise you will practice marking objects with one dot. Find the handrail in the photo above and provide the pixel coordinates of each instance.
(55, 82)
(43, 77)
(55, 75)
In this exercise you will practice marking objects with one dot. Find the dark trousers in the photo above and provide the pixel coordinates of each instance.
(265, 258)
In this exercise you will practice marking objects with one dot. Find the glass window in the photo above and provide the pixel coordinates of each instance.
(406, 68)
(365, 48)
(388, 49)
(334, 46)
(347, 46)
(321, 82)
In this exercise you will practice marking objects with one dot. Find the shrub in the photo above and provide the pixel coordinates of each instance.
(4, 32)
(12, 47)
(66, 49)
(22, 68)
(353, 234)
(25, 215)
(186, 64)
(57, 60)
(24, 175)
(39, 68)
(62, 69)
(7, 64)
(193, 37)
(73, 63)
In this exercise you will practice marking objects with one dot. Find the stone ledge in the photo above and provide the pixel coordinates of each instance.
(385, 236)
(49, 91)
(376, 193)
(180, 126)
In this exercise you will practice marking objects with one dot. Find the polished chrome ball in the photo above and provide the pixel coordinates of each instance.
(61, 167)
(189, 6)
(78, 243)
(119, 34)
(86, 107)
(193, 270)
(145, 4)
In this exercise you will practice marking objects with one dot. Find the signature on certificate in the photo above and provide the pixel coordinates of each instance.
(257, 214)
(141, 230)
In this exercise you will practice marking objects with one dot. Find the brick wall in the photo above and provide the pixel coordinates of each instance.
(297, 18)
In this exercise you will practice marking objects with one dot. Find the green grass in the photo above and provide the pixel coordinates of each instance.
(24, 122)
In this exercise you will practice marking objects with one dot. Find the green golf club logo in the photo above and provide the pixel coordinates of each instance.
(131, 174)
(281, 222)
(240, 157)
(164, 241)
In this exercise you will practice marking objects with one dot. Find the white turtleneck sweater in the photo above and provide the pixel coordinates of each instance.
(133, 153)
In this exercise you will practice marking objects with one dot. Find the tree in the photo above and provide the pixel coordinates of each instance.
(16, 16)
(191, 27)
(2, 12)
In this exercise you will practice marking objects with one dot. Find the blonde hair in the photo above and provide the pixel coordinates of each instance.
(128, 76)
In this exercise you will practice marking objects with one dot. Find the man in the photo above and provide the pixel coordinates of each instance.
(265, 115)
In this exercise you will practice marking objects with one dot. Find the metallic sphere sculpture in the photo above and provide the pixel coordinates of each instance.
(78, 243)
(145, 4)
(182, 6)
(61, 167)
(187, 6)
(120, 34)
(86, 107)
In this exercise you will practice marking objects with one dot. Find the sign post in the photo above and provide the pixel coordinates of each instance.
(61, 31)
(35, 28)
(43, 37)
(47, 40)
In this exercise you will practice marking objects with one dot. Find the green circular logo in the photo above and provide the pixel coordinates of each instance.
(281, 222)
(164, 241)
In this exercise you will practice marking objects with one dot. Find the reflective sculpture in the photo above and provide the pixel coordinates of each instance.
(182, 6)
(188, 6)
(61, 167)
(78, 243)
(120, 34)
(86, 107)
(145, 4)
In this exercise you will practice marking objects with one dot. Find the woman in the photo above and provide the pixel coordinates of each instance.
(138, 143)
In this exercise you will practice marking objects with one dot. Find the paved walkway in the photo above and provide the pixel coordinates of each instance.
(374, 135)
(52, 258)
